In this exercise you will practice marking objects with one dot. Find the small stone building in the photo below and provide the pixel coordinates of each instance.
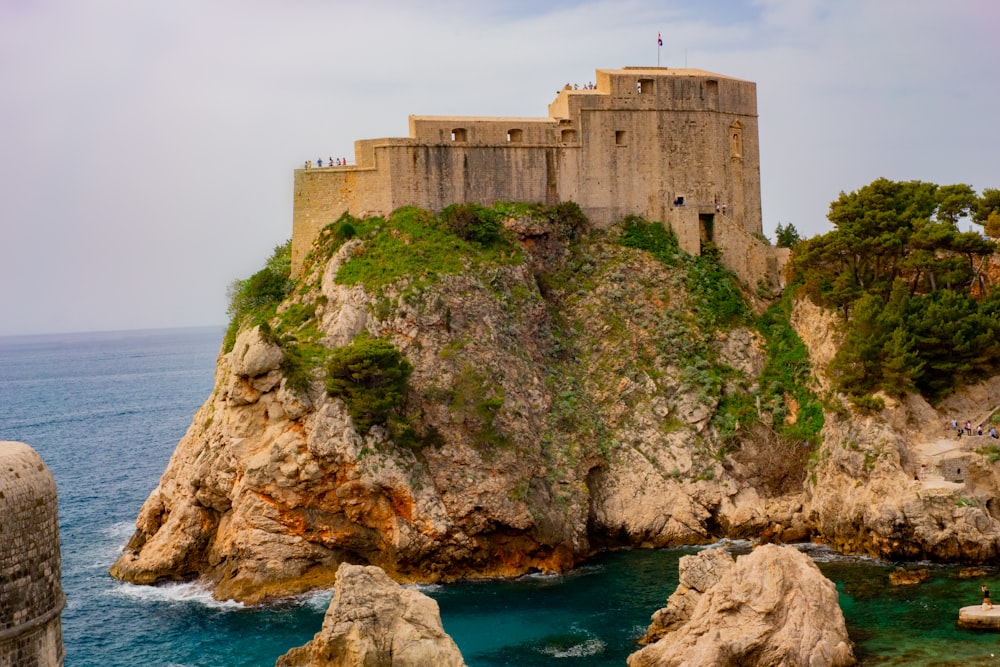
(31, 596)
(955, 467)
(674, 145)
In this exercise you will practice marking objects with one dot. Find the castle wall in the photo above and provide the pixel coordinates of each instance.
(665, 144)
(31, 597)
(434, 176)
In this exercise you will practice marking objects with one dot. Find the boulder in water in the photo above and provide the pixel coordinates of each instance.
(374, 622)
(770, 607)
(903, 577)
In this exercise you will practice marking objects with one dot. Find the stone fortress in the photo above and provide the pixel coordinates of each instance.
(31, 596)
(674, 145)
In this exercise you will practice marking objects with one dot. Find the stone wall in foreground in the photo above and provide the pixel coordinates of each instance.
(31, 596)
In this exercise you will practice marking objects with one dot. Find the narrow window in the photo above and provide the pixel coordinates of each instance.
(568, 136)
(458, 134)
(514, 136)
(619, 137)
(645, 87)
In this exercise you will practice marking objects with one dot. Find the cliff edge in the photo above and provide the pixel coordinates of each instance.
(443, 402)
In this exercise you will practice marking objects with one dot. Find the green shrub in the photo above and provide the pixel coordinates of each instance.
(715, 292)
(788, 373)
(372, 377)
(472, 222)
(569, 219)
(867, 403)
(991, 452)
(652, 237)
(253, 301)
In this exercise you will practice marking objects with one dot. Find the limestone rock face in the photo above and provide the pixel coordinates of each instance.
(865, 499)
(273, 486)
(862, 496)
(374, 622)
(770, 607)
(565, 402)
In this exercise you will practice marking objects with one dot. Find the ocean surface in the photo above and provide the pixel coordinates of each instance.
(105, 411)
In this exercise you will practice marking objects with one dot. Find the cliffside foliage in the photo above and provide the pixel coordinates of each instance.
(254, 301)
(417, 245)
(371, 377)
(911, 287)
(716, 298)
(769, 427)
(612, 321)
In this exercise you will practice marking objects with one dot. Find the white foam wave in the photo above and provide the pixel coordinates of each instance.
(427, 588)
(120, 531)
(725, 543)
(581, 650)
(316, 600)
(821, 553)
(178, 593)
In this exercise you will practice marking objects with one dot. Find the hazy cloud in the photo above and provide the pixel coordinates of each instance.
(150, 146)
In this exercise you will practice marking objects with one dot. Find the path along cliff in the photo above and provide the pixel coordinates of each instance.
(560, 390)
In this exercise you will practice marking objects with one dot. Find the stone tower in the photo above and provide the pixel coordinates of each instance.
(31, 596)
(675, 145)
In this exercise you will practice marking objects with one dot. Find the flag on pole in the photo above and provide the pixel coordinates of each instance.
(659, 39)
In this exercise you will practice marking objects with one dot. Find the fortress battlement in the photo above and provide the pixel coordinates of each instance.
(675, 145)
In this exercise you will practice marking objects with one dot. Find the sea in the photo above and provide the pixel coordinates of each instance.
(105, 411)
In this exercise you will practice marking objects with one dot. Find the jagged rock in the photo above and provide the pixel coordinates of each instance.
(770, 607)
(374, 622)
(605, 437)
(902, 577)
(253, 355)
(972, 573)
(696, 574)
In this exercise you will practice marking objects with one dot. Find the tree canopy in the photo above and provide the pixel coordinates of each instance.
(910, 285)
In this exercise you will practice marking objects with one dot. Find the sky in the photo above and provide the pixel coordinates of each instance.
(148, 148)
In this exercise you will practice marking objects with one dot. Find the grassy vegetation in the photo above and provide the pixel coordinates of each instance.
(787, 375)
(255, 300)
(772, 428)
(415, 245)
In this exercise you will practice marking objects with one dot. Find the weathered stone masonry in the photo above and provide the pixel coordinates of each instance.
(677, 145)
(31, 597)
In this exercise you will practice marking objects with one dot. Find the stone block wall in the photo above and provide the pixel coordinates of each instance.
(955, 468)
(31, 597)
(665, 144)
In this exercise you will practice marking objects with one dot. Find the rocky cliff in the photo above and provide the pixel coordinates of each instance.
(568, 393)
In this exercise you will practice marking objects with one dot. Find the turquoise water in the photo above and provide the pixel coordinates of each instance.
(105, 412)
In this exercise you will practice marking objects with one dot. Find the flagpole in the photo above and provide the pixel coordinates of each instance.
(659, 45)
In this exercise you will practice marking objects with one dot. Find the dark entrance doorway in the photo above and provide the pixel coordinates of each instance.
(706, 224)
